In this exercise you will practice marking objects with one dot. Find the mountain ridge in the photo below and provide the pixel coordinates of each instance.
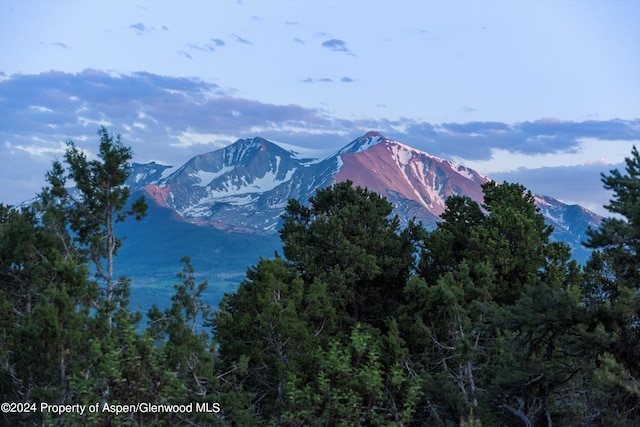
(245, 187)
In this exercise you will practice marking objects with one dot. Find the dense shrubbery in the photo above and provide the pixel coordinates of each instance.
(482, 321)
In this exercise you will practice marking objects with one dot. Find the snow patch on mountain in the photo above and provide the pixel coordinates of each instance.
(249, 185)
(462, 170)
(363, 144)
(339, 164)
(541, 200)
(307, 156)
(401, 154)
(205, 177)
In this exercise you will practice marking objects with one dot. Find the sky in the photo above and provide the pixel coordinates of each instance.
(545, 93)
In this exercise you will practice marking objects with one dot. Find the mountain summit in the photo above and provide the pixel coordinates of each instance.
(246, 185)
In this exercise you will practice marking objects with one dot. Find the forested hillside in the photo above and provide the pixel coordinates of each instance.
(482, 321)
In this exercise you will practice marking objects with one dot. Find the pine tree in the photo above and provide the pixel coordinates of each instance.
(185, 345)
(46, 297)
(267, 330)
(297, 324)
(612, 287)
(472, 318)
(348, 239)
(98, 202)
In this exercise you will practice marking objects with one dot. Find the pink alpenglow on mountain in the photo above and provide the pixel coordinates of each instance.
(246, 185)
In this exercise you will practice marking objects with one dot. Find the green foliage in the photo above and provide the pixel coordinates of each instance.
(352, 387)
(612, 289)
(302, 357)
(46, 297)
(61, 340)
(493, 324)
(348, 239)
(98, 201)
(496, 305)
(186, 348)
(281, 322)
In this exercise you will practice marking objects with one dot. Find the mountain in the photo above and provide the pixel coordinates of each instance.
(223, 208)
(245, 186)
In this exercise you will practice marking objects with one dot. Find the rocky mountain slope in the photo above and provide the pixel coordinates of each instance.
(246, 185)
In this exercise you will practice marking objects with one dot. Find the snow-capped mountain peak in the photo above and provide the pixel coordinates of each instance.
(247, 184)
(364, 142)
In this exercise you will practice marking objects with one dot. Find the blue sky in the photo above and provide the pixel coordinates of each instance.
(546, 93)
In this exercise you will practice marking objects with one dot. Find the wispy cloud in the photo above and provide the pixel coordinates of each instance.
(337, 45)
(156, 113)
(56, 44)
(239, 39)
(327, 80)
(207, 47)
(478, 140)
(140, 28)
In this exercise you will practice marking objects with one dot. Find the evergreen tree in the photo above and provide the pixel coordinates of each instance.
(317, 329)
(612, 287)
(185, 346)
(353, 386)
(97, 203)
(267, 330)
(348, 239)
(64, 342)
(46, 299)
(473, 316)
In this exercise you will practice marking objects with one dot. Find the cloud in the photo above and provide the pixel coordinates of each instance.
(56, 44)
(207, 47)
(239, 39)
(185, 54)
(299, 41)
(155, 114)
(218, 42)
(479, 140)
(38, 112)
(579, 184)
(336, 45)
(140, 28)
(327, 80)
(319, 80)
